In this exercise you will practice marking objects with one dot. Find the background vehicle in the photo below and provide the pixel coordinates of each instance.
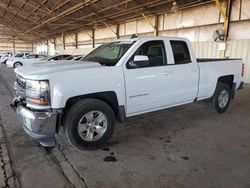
(34, 58)
(74, 57)
(118, 80)
(30, 58)
(58, 57)
(15, 58)
(4, 57)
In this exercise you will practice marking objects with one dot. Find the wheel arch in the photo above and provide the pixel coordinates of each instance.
(16, 63)
(227, 79)
(109, 97)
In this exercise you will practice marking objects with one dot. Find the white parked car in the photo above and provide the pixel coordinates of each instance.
(10, 61)
(5, 56)
(118, 80)
(58, 57)
(38, 58)
(28, 59)
(75, 57)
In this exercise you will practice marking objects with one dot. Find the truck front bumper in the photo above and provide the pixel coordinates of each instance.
(41, 126)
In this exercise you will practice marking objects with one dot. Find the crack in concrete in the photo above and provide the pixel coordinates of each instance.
(6, 85)
(6, 159)
(2, 167)
(6, 141)
(52, 156)
(54, 159)
(17, 182)
(132, 174)
(209, 178)
(60, 148)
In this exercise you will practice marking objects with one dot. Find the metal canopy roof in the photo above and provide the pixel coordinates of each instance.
(34, 20)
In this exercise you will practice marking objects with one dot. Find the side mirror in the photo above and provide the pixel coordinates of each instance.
(141, 60)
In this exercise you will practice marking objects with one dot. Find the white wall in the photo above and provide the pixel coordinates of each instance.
(235, 49)
(14, 46)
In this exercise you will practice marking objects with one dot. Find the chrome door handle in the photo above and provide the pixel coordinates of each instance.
(167, 73)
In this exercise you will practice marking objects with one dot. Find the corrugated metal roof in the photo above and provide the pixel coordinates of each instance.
(41, 19)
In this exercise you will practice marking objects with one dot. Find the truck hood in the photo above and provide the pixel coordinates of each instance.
(41, 69)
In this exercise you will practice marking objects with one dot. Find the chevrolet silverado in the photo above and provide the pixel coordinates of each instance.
(115, 81)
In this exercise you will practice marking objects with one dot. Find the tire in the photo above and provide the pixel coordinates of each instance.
(221, 98)
(78, 116)
(17, 64)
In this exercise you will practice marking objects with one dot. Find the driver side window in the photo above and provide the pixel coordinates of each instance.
(154, 50)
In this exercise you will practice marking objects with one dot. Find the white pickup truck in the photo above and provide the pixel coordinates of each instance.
(115, 81)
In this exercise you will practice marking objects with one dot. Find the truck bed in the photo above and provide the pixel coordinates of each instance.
(215, 68)
(203, 60)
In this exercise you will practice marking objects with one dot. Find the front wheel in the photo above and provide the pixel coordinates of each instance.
(89, 123)
(17, 64)
(221, 98)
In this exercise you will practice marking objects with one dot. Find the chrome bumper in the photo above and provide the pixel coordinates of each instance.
(39, 125)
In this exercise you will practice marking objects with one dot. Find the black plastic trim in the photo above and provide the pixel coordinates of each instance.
(121, 114)
(233, 90)
(241, 85)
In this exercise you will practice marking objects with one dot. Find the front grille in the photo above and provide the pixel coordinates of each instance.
(21, 83)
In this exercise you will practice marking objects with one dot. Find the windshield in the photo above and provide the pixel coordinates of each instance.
(70, 57)
(19, 55)
(110, 53)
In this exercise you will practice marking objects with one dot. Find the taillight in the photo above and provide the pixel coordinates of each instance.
(243, 70)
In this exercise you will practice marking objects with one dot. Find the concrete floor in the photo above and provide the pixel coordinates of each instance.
(186, 146)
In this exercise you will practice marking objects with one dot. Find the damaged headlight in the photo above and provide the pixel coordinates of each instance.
(37, 94)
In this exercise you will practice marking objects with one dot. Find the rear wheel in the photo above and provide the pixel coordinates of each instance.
(221, 98)
(17, 64)
(89, 123)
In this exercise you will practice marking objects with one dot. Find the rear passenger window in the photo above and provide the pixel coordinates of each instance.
(180, 52)
(65, 56)
(31, 56)
(41, 56)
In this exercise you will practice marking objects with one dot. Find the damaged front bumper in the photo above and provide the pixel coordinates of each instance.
(40, 125)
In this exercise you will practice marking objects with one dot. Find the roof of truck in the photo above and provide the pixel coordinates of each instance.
(152, 38)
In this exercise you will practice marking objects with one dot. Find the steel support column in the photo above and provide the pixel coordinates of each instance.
(155, 27)
(14, 46)
(112, 30)
(118, 31)
(226, 17)
(64, 46)
(48, 48)
(93, 38)
(76, 40)
(55, 43)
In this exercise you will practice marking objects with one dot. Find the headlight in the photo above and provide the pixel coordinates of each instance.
(37, 94)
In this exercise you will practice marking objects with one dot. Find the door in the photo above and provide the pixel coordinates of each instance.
(183, 74)
(144, 85)
(165, 81)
